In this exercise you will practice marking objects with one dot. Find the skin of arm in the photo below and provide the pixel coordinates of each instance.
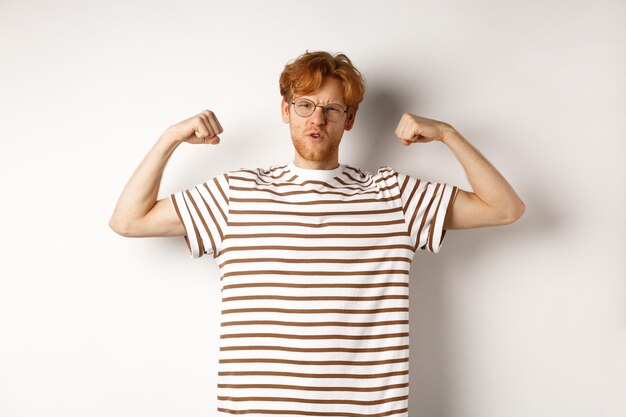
(137, 213)
(493, 201)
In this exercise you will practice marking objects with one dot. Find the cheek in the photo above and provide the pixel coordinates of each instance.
(294, 129)
(295, 124)
(338, 131)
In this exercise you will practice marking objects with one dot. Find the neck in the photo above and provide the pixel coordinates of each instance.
(306, 164)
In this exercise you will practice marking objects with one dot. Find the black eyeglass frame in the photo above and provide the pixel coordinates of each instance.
(293, 102)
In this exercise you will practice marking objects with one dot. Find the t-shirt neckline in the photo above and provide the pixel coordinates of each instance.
(316, 174)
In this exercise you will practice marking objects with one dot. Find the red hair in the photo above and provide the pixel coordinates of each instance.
(305, 75)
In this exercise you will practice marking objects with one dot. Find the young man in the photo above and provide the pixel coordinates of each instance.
(314, 255)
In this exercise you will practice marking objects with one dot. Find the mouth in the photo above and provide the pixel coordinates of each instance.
(315, 136)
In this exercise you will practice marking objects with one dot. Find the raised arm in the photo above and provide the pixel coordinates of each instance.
(138, 213)
(493, 201)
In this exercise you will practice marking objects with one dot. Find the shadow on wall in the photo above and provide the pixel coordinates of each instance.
(377, 119)
(434, 340)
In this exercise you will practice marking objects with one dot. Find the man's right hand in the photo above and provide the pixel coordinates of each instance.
(202, 128)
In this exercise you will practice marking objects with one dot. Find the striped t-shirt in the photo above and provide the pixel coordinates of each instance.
(314, 275)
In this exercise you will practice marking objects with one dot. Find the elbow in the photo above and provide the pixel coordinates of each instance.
(515, 214)
(119, 227)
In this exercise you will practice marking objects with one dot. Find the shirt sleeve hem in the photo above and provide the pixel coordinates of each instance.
(437, 232)
(191, 238)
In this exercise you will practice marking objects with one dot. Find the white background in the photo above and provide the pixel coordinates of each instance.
(521, 320)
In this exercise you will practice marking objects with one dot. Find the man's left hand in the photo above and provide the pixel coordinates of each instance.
(414, 128)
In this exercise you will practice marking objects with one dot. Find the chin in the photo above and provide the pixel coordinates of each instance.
(314, 153)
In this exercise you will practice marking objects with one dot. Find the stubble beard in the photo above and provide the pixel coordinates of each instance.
(312, 151)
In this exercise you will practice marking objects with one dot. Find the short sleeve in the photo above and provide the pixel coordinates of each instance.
(425, 205)
(203, 211)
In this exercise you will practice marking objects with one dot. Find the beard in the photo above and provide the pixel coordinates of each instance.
(314, 151)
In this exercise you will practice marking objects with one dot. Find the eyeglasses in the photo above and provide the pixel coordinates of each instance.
(305, 107)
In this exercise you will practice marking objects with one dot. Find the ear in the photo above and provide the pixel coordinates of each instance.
(350, 120)
(284, 110)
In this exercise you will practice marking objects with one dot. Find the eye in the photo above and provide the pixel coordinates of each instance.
(334, 110)
(304, 104)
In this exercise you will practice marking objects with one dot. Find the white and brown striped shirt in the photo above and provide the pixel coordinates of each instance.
(314, 270)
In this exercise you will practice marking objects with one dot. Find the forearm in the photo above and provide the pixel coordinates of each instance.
(487, 183)
(140, 193)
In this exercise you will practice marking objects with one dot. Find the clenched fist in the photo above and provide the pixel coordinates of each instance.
(419, 129)
(202, 128)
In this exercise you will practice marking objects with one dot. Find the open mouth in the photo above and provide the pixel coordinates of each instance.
(315, 136)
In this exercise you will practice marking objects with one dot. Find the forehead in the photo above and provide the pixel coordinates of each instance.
(331, 91)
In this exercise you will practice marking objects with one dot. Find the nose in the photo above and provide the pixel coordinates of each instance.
(318, 117)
